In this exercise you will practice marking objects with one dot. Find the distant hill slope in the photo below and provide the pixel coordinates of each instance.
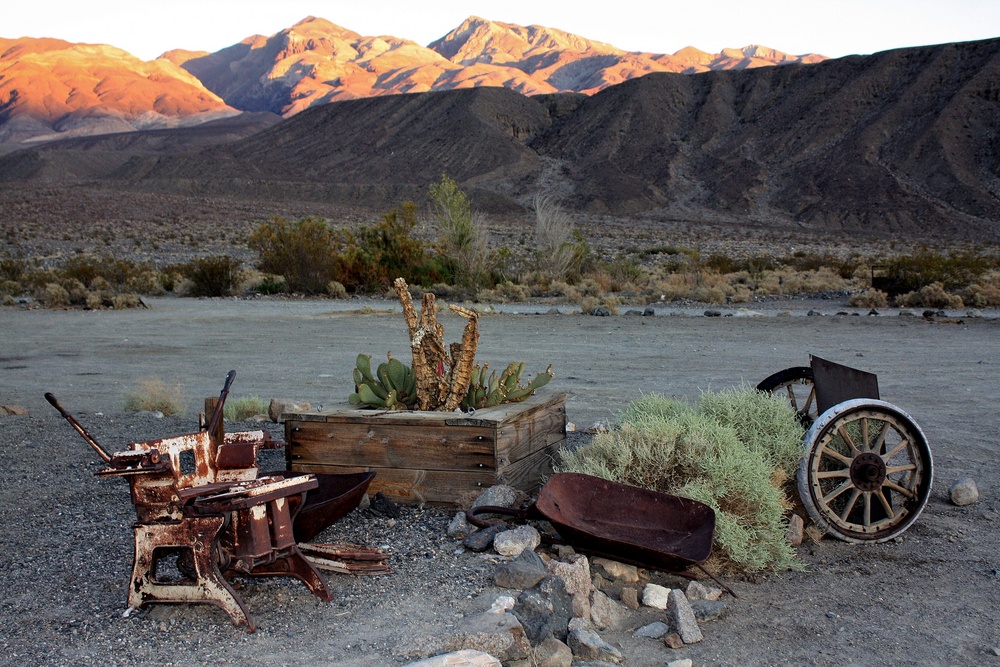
(900, 143)
(49, 87)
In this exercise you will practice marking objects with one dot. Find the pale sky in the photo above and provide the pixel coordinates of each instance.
(147, 28)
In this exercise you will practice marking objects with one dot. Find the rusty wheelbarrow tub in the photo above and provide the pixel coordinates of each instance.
(336, 496)
(621, 522)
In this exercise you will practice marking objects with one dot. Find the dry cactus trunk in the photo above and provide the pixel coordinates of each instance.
(442, 376)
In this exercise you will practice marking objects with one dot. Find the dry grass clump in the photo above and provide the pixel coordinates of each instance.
(155, 395)
(930, 296)
(733, 451)
(869, 298)
(985, 293)
(243, 408)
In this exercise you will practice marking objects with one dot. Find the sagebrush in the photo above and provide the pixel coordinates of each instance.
(734, 451)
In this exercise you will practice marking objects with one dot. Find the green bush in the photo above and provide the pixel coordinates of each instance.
(304, 253)
(733, 451)
(215, 276)
(466, 239)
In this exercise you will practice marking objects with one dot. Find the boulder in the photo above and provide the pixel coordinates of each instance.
(964, 492)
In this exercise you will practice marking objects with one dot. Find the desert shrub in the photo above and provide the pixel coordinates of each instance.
(303, 253)
(336, 290)
(10, 287)
(732, 451)
(983, 294)
(466, 238)
(930, 296)
(272, 285)
(243, 408)
(561, 251)
(214, 276)
(869, 298)
(155, 395)
(13, 267)
(619, 274)
(53, 295)
(372, 257)
(911, 273)
(506, 292)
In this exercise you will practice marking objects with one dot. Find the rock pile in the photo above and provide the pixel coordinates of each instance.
(561, 601)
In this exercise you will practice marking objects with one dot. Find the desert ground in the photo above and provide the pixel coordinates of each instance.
(65, 545)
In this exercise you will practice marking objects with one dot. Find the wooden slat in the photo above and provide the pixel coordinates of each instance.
(389, 445)
(528, 473)
(537, 428)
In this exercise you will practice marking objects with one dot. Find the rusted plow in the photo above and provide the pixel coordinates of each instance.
(203, 507)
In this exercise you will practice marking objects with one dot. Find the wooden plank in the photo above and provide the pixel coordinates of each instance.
(435, 487)
(389, 445)
(530, 472)
(537, 428)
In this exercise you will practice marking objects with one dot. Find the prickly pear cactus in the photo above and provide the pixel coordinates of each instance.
(393, 386)
(485, 392)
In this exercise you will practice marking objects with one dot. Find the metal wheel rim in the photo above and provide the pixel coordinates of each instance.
(796, 385)
(867, 471)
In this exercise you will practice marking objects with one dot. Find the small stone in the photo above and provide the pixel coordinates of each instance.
(607, 613)
(964, 492)
(552, 653)
(655, 596)
(649, 312)
(497, 496)
(630, 597)
(682, 618)
(707, 610)
(713, 313)
(683, 662)
(565, 551)
(523, 572)
(813, 313)
(588, 645)
(384, 506)
(699, 591)
(654, 630)
(601, 311)
(279, 407)
(615, 570)
(576, 576)
(14, 410)
(464, 658)
(502, 604)
(513, 542)
(673, 640)
(482, 539)
(459, 527)
(795, 529)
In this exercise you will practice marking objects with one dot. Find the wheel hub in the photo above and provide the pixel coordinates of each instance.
(868, 471)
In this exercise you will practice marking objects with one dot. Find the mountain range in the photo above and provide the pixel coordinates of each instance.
(899, 144)
(51, 88)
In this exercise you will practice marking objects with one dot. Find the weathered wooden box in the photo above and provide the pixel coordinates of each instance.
(432, 457)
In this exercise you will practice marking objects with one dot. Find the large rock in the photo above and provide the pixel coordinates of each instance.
(499, 495)
(513, 542)
(524, 572)
(459, 527)
(588, 645)
(607, 613)
(681, 617)
(465, 658)
(576, 576)
(552, 653)
(545, 610)
(655, 596)
(482, 539)
(499, 635)
(964, 492)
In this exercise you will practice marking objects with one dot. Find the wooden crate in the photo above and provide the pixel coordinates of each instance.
(433, 457)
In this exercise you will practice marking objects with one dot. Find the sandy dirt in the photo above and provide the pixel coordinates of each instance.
(927, 598)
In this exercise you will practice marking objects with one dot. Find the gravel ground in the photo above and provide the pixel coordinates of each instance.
(65, 539)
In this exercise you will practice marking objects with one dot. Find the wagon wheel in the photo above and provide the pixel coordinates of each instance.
(867, 471)
(797, 385)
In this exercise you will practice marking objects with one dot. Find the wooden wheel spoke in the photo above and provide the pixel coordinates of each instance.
(894, 469)
(833, 454)
(828, 474)
(809, 400)
(864, 435)
(899, 489)
(847, 438)
(880, 440)
(848, 484)
(867, 521)
(791, 397)
(885, 504)
(895, 450)
(850, 504)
